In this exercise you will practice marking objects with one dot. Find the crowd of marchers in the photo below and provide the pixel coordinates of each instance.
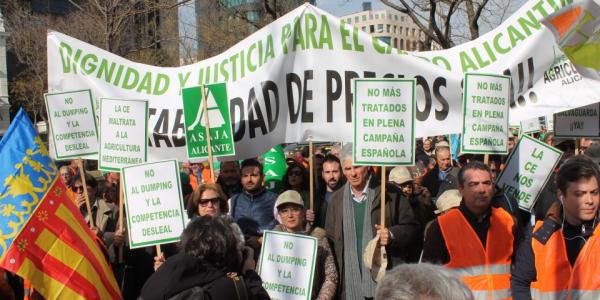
(450, 232)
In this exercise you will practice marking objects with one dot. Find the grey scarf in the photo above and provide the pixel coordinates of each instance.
(358, 283)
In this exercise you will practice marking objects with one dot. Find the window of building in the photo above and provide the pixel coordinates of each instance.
(402, 19)
(371, 28)
(406, 33)
(387, 28)
(370, 16)
(377, 16)
(379, 27)
(349, 20)
(402, 44)
(364, 28)
(356, 19)
(400, 30)
(396, 17)
(364, 17)
(413, 32)
(395, 29)
(385, 39)
(414, 45)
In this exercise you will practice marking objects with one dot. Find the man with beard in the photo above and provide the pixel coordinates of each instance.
(253, 208)
(229, 177)
(331, 180)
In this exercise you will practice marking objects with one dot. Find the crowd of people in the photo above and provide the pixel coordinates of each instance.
(449, 232)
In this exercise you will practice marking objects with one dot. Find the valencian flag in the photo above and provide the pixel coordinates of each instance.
(43, 237)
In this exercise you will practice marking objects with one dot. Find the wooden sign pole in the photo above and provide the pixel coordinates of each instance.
(311, 165)
(88, 207)
(121, 260)
(208, 142)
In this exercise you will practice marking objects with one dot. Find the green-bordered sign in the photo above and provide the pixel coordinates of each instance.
(579, 122)
(153, 203)
(531, 126)
(485, 113)
(221, 136)
(527, 170)
(123, 133)
(73, 124)
(287, 265)
(384, 121)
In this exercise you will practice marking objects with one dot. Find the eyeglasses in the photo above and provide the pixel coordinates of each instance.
(296, 173)
(214, 201)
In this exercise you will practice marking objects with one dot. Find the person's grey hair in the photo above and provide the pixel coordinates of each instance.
(421, 281)
(346, 152)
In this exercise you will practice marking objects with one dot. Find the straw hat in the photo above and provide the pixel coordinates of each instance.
(447, 200)
(375, 259)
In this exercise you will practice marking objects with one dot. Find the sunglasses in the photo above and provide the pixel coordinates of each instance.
(78, 188)
(214, 201)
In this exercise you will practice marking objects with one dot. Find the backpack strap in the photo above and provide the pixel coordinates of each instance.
(240, 287)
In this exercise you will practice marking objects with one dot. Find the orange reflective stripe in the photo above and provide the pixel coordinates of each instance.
(485, 271)
(556, 279)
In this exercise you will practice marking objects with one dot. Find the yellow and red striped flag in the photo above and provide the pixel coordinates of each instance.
(43, 237)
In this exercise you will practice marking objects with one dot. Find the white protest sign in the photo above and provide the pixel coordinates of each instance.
(384, 114)
(154, 204)
(287, 265)
(291, 80)
(123, 133)
(549, 122)
(73, 124)
(531, 125)
(485, 114)
(527, 170)
(579, 122)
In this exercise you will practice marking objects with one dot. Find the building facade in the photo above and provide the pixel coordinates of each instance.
(394, 28)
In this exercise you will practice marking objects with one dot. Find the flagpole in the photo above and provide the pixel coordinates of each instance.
(85, 194)
(311, 165)
(208, 142)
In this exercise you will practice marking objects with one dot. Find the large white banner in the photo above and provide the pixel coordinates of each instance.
(291, 80)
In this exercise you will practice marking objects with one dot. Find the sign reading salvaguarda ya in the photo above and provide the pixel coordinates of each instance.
(485, 113)
(579, 122)
(287, 265)
(73, 124)
(221, 135)
(384, 116)
(153, 203)
(527, 170)
(123, 133)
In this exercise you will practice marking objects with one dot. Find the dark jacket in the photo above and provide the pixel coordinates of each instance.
(423, 208)
(436, 187)
(523, 271)
(183, 272)
(400, 221)
(254, 213)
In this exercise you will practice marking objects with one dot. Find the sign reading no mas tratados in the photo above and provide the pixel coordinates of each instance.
(153, 203)
(527, 170)
(384, 118)
(123, 133)
(485, 113)
(73, 124)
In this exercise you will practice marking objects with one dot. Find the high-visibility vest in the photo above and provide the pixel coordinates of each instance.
(556, 279)
(485, 271)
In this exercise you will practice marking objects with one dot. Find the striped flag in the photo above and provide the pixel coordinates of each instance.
(43, 237)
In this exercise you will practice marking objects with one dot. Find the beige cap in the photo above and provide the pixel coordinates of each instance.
(289, 196)
(447, 200)
(400, 175)
(442, 144)
(375, 259)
